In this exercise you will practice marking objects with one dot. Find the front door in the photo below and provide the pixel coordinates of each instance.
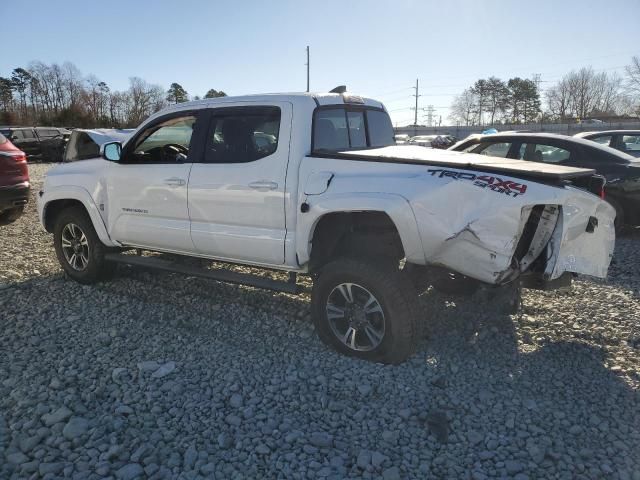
(147, 189)
(237, 195)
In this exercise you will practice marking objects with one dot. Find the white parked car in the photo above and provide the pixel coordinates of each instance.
(312, 184)
(84, 144)
(422, 140)
(401, 139)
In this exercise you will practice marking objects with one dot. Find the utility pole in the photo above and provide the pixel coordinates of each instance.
(415, 121)
(307, 64)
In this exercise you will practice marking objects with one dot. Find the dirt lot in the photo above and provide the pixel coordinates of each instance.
(155, 375)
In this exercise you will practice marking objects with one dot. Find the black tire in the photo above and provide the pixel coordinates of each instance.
(397, 321)
(95, 268)
(11, 215)
(619, 222)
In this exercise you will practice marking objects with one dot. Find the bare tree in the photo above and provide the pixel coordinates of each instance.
(464, 108)
(633, 76)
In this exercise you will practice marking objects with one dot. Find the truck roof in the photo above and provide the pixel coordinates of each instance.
(305, 98)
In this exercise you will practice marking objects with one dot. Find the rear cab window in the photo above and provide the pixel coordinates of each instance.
(339, 128)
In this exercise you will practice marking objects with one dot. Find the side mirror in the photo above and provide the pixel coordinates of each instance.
(111, 151)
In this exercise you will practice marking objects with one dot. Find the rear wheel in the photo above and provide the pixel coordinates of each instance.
(78, 248)
(366, 309)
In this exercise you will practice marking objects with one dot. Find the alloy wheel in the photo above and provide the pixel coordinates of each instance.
(75, 246)
(356, 317)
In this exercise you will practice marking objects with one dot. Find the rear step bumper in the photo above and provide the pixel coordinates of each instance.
(219, 275)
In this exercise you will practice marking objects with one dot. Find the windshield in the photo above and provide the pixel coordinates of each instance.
(346, 128)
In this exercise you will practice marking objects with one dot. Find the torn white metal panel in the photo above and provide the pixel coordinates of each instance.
(468, 221)
(581, 251)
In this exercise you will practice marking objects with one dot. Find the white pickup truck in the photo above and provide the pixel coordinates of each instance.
(313, 184)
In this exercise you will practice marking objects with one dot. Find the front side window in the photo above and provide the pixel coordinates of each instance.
(543, 153)
(243, 135)
(26, 133)
(164, 142)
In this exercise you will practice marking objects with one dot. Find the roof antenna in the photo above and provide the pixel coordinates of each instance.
(339, 89)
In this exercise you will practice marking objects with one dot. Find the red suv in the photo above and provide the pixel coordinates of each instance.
(14, 181)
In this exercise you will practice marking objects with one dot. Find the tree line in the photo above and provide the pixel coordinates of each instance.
(55, 94)
(580, 94)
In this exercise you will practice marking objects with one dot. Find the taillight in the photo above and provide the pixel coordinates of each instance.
(15, 155)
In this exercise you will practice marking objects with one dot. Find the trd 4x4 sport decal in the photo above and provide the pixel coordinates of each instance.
(508, 187)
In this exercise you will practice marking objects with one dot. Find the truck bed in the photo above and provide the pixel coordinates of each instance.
(466, 161)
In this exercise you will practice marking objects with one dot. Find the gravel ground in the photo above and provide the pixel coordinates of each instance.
(155, 375)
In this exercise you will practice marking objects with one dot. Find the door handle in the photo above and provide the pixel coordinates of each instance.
(263, 185)
(174, 181)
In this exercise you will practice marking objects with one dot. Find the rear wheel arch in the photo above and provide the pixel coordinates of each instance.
(337, 234)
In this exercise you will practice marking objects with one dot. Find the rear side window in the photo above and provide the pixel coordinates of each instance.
(48, 133)
(543, 153)
(340, 128)
(26, 133)
(491, 149)
(242, 135)
(330, 130)
(602, 140)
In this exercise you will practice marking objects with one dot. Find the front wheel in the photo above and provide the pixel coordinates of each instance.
(78, 248)
(367, 309)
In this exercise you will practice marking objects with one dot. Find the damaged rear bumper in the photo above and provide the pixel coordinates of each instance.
(566, 231)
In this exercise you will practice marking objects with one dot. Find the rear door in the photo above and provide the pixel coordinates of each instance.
(237, 193)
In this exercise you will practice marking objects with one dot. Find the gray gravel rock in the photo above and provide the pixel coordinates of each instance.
(130, 471)
(248, 391)
(58, 416)
(75, 427)
(164, 370)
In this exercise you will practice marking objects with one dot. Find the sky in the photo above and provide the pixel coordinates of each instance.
(375, 47)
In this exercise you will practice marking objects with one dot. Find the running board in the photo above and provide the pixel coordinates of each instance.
(219, 275)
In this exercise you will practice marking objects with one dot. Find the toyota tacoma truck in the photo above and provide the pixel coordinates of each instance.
(313, 184)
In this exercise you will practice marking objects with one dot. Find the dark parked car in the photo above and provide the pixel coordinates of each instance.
(622, 171)
(39, 143)
(627, 141)
(14, 181)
